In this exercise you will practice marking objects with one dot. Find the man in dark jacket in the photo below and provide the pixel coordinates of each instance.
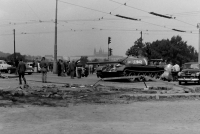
(21, 71)
(72, 69)
(44, 69)
(79, 68)
(59, 68)
(16, 62)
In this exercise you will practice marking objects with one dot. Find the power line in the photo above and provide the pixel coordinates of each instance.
(83, 7)
(32, 10)
(185, 22)
(116, 8)
(187, 13)
(160, 15)
(91, 19)
(102, 29)
(117, 15)
(129, 6)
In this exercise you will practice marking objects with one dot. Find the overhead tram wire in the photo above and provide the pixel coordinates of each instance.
(117, 15)
(102, 29)
(24, 23)
(152, 13)
(186, 22)
(93, 10)
(129, 6)
(187, 13)
(96, 20)
(109, 14)
(32, 10)
(115, 9)
(83, 7)
(156, 14)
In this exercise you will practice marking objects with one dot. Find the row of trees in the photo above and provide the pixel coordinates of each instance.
(175, 50)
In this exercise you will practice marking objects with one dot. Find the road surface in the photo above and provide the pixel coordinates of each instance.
(148, 117)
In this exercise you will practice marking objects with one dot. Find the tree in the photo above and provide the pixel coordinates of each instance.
(95, 60)
(18, 56)
(175, 50)
(84, 60)
(136, 49)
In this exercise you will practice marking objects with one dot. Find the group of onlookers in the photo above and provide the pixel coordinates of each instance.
(72, 69)
(171, 71)
(69, 68)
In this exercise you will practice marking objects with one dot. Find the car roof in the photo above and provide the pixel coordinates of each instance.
(191, 63)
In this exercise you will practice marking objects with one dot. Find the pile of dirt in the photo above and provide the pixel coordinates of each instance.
(54, 95)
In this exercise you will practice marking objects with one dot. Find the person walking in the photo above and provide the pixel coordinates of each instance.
(21, 68)
(43, 66)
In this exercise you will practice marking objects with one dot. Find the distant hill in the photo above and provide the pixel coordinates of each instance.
(2, 54)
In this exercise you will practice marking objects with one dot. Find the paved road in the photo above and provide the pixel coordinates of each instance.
(35, 79)
(154, 117)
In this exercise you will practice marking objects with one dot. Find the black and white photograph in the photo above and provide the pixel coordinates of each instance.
(99, 67)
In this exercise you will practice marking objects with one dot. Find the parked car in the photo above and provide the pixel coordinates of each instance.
(4, 66)
(29, 70)
(30, 64)
(190, 73)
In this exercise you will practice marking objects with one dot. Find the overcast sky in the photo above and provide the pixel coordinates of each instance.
(86, 24)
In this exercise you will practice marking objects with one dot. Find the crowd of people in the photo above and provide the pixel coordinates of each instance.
(171, 71)
(72, 69)
(78, 69)
(64, 68)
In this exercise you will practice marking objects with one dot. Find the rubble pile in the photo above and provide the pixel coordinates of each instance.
(171, 90)
(54, 95)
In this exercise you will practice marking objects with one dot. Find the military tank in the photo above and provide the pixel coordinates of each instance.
(130, 67)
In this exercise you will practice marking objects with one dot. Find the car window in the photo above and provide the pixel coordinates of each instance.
(195, 66)
(191, 66)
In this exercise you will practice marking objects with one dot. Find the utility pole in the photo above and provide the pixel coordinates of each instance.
(14, 45)
(55, 45)
(109, 41)
(108, 52)
(198, 26)
(141, 36)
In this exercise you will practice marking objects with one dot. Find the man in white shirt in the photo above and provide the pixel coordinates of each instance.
(176, 68)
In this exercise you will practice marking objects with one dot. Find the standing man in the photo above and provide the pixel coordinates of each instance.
(36, 65)
(44, 66)
(79, 68)
(62, 68)
(21, 71)
(59, 67)
(72, 69)
(175, 71)
(16, 64)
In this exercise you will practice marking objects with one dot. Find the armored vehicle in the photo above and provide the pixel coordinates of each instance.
(130, 67)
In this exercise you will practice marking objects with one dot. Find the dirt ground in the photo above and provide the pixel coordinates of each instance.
(102, 110)
(157, 117)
